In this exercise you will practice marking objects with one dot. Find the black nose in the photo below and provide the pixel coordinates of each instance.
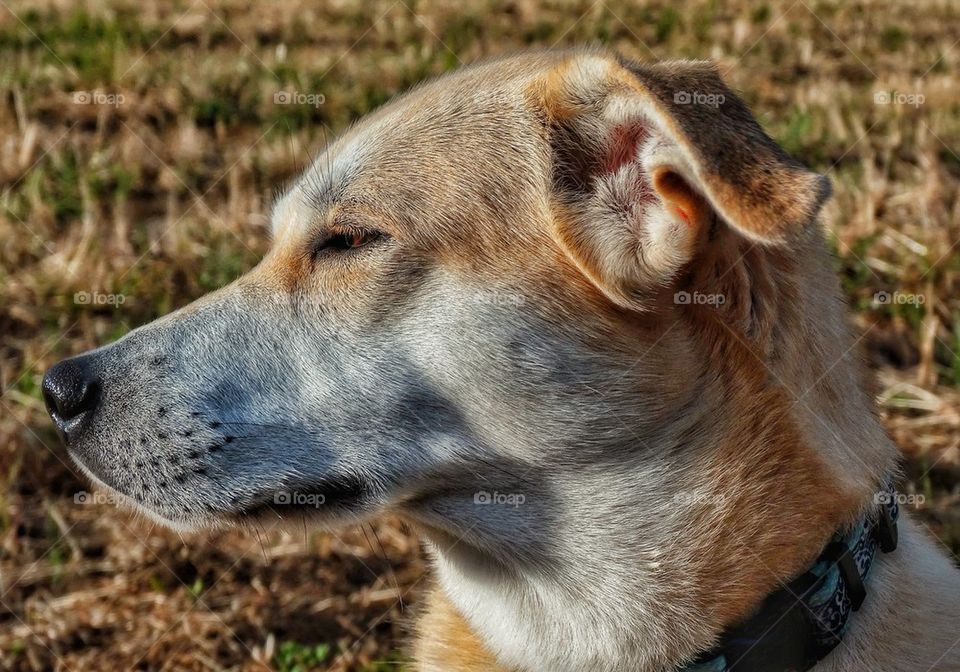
(71, 392)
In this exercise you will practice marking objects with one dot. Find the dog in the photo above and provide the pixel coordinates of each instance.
(573, 318)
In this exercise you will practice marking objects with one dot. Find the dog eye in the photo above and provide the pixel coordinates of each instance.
(346, 240)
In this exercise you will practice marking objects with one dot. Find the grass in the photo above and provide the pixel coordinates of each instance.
(297, 657)
(157, 190)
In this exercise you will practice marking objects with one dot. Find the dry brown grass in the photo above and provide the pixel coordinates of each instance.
(162, 197)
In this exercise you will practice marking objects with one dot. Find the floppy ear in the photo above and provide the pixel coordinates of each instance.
(647, 157)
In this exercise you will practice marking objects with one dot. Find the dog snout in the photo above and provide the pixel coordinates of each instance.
(71, 391)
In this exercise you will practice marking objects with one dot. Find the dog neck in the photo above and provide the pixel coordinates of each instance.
(899, 627)
(638, 579)
(613, 603)
(633, 578)
(617, 594)
(800, 624)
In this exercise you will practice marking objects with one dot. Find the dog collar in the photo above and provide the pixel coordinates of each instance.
(798, 625)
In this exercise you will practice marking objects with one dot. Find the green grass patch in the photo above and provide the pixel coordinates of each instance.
(61, 188)
(667, 22)
(893, 38)
(760, 14)
(226, 262)
(59, 553)
(393, 663)
(293, 656)
(90, 44)
(196, 588)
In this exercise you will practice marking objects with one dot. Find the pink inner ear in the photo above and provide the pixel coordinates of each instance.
(623, 145)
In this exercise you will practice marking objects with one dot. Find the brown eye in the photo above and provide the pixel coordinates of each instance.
(344, 241)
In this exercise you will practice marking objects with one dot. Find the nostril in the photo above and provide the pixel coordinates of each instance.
(49, 399)
(70, 389)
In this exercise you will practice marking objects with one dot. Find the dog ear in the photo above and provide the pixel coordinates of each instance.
(647, 157)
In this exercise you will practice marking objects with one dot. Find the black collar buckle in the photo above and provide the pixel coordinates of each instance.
(887, 530)
(781, 636)
(799, 625)
(839, 553)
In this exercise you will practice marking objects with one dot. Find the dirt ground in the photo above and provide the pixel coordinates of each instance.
(140, 148)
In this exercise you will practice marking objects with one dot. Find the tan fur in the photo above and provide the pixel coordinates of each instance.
(445, 642)
(738, 549)
(768, 196)
(775, 353)
(751, 180)
(521, 325)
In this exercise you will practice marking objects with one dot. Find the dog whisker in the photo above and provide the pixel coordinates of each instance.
(382, 555)
(263, 550)
(504, 470)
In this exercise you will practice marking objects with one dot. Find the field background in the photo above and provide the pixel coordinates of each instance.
(141, 144)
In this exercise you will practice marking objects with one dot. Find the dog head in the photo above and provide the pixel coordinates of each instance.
(549, 289)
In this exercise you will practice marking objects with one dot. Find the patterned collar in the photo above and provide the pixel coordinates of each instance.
(800, 624)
